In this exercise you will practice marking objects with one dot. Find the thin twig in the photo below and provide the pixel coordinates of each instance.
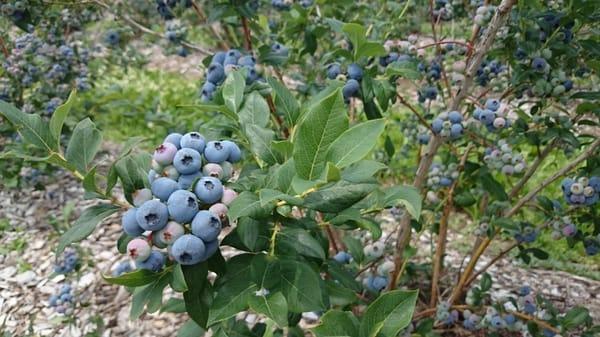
(422, 120)
(440, 249)
(202, 16)
(247, 37)
(3, 47)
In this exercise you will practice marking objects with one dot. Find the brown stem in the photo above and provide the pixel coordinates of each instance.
(440, 250)
(3, 47)
(404, 233)
(439, 50)
(491, 263)
(276, 118)
(247, 37)
(422, 120)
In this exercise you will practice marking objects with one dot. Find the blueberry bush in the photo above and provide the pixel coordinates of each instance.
(312, 119)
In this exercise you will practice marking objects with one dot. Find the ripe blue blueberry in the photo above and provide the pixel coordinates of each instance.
(216, 152)
(182, 206)
(351, 89)
(454, 117)
(235, 154)
(437, 125)
(122, 268)
(333, 71)
(492, 104)
(207, 91)
(247, 61)
(211, 249)
(342, 257)
(193, 140)
(487, 117)
(209, 190)
(377, 283)
(279, 49)
(355, 72)
(152, 176)
(497, 322)
(130, 224)
(188, 250)
(163, 187)
(206, 226)
(215, 73)
(187, 161)
(141, 196)
(185, 181)
(219, 57)
(539, 64)
(152, 215)
(154, 263)
(456, 130)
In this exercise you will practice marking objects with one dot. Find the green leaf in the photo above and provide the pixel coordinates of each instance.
(255, 111)
(174, 305)
(85, 225)
(405, 195)
(260, 139)
(132, 170)
(198, 297)
(149, 296)
(363, 171)
(83, 145)
(322, 125)
(388, 314)
(337, 323)
(136, 278)
(576, 317)
(190, 329)
(268, 196)
(90, 187)
(247, 204)
(178, 279)
(300, 284)
(235, 291)
(370, 49)
(233, 91)
(353, 215)
(486, 282)
(285, 103)
(273, 306)
(338, 196)
(339, 295)
(253, 234)
(589, 95)
(403, 69)
(493, 186)
(58, 117)
(299, 241)
(355, 143)
(30, 126)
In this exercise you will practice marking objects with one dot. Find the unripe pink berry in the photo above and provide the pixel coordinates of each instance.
(213, 170)
(139, 249)
(165, 153)
(228, 196)
(170, 233)
(220, 210)
(141, 196)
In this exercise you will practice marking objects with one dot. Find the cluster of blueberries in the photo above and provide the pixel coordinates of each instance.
(448, 125)
(182, 192)
(222, 63)
(502, 158)
(428, 92)
(488, 71)
(67, 263)
(526, 234)
(285, 5)
(433, 70)
(441, 175)
(563, 227)
(484, 14)
(483, 228)
(493, 319)
(165, 7)
(492, 116)
(443, 10)
(46, 69)
(352, 76)
(63, 301)
(175, 33)
(16, 10)
(581, 191)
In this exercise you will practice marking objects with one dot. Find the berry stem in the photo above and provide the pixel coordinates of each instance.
(422, 120)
